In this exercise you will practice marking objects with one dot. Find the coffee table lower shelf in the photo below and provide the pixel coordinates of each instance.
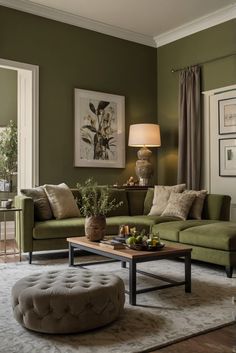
(133, 257)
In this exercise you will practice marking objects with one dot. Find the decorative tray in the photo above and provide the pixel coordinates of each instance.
(142, 247)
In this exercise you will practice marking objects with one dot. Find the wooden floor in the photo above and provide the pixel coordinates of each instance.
(219, 341)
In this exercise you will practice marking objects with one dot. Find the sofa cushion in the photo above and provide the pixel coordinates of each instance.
(42, 209)
(59, 228)
(220, 235)
(62, 201)
(170, 231)
(178, 205)
(197, 205)
(216, 207)
(161, 197)
(140, 222)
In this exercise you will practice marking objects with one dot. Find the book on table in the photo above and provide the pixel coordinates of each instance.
(113, 244)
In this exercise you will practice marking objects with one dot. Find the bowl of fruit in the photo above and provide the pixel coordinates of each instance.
(142, 241)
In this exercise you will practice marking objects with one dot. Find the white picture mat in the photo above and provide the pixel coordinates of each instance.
(227, 157)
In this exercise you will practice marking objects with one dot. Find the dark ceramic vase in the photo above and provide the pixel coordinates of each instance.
(95, 227)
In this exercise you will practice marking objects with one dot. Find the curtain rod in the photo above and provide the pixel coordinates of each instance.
(204, 62)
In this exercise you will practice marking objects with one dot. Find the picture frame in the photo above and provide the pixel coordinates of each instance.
(227, 116)
(227, 157)
(99, 130)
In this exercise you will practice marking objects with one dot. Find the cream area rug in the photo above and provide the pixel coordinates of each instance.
(160, 318)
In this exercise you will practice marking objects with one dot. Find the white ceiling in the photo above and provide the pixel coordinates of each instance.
(145, 18)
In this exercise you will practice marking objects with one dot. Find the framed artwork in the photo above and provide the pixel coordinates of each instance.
(227, 116)
(227, 153)
(99, 130)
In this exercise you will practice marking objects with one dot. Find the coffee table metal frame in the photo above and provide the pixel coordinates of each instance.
(120, 255)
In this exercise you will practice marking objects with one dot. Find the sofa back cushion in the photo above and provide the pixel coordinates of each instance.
(136, 201)
(42, 209)
(216, 207)
(119, 195)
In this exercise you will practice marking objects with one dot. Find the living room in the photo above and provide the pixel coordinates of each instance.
(71, 56)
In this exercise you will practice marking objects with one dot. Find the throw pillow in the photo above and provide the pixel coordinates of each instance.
(197, 206)
(42, 209)
(61, 201)
(161, 197)
(179, 205)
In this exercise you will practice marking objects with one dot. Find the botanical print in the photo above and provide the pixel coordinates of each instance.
(230, 115)
(99, 130)
(230, 162)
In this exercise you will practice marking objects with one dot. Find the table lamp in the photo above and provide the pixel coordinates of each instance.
(144, 135)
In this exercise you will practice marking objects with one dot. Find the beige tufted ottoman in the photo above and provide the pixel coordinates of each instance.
(67, 301)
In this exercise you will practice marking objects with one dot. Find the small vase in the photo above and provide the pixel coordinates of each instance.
(95, 227)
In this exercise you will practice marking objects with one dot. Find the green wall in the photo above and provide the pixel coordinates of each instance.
(8, 96)
(70, 57)
(205, 45)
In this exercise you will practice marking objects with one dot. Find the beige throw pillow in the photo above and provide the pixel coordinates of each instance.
(179, 205)
(197, 206)
(42, 209)
(161, 197)
(61, 200)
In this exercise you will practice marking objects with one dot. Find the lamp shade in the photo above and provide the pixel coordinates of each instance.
(144, 135)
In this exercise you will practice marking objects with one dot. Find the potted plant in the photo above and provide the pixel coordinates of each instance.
(8, 153)
(95, 203)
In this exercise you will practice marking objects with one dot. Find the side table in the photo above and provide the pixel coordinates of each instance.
(15, 211)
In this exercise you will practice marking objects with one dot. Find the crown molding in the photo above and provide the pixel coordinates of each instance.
(213, 19)
(79, 21)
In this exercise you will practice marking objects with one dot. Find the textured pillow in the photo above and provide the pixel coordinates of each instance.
(61, 200)
(42, 209)
(161, 197)
(179, 205)
(197, 206)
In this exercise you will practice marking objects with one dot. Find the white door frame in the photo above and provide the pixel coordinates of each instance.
(27, 122)
(210, 112)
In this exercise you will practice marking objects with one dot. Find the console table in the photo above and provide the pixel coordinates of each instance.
(13, 211)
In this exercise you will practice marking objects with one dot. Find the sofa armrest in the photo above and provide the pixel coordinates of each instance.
(217, 207)
(26, 222)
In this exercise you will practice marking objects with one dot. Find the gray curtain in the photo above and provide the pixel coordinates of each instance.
(189, 161)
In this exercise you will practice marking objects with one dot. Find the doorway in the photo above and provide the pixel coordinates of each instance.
(27, 122)
(213, 180)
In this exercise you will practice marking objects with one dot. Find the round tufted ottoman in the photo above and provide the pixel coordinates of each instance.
(67, 301)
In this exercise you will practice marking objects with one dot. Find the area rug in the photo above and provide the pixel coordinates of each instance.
(160, 317)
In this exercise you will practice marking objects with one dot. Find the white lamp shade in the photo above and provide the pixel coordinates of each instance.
(144, 135)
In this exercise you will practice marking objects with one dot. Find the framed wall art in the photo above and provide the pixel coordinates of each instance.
(99, 130)
(227, 116)
(227, 154)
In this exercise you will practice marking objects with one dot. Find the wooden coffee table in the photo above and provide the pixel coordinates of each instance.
(134, 257)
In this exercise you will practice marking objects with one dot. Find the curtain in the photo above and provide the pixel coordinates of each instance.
(189, 155)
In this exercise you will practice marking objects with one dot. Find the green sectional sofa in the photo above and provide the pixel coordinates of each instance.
(213, 238)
